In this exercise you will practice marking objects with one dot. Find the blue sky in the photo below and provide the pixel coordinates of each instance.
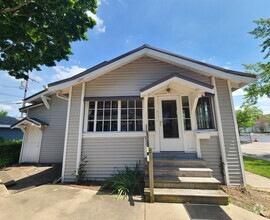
(212, 31)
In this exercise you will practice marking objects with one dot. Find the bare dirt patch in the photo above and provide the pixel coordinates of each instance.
(250, 199)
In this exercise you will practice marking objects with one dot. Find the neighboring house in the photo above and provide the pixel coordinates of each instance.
(103, 113)
(6, 132)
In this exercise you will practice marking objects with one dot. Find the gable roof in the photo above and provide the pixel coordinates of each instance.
(166, 56)
(28, 120)
(180, 76)
(7, 121)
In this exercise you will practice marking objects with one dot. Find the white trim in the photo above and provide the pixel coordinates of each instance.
(145, 122)
(220, 133)
(157, 55)
(79, 148)
(177, 80)
(197, 67)
(237, 135)
(31, 106)
(113, 134)
(40, 142)
(61, 96)
(86, 112)
(45, 101)
(66, 135)
(4, 126)
(23, 143)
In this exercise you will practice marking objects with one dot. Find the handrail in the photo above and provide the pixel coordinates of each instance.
(150, 167)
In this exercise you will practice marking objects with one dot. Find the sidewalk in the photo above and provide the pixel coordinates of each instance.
(256, 181)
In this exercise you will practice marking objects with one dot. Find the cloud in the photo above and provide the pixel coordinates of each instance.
(264, 100)
(65, 72)
(100, 27)
(35, 77)
(265, 109)
(6, 107)
(239, 92)
(209, 60)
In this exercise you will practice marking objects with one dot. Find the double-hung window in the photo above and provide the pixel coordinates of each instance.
(204, 113)
(115, 115)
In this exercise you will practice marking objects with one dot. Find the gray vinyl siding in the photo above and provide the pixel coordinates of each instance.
(210, 150)
(52, 144)
(11, 134)
(229, 132)
(104, 155)
(129, 79)
(73, 133)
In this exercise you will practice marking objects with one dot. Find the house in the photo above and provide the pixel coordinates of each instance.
(104, 112)
(6, 132)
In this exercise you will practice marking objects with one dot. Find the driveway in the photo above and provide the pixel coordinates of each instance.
(66, 202)
(259, 150)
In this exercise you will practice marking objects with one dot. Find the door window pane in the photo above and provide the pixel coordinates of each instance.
(151, 114)
(170, 121)
(186, 113)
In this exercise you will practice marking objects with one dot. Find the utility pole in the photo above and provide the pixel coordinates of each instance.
(25, 92)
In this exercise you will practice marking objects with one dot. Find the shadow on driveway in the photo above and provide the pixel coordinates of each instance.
(29, 176)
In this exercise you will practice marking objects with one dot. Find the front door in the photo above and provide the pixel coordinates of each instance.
(171, 137)
(31, 147)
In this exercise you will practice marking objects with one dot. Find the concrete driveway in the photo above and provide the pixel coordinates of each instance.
(259, 150)
(65, 202)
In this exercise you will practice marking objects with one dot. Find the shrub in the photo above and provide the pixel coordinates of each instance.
(9, 152)
(79, 176)
(126, 181)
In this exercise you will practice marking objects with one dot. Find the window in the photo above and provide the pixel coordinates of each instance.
(103, 116)
(186, 113)
(151, 114)
(131, 115)
(204, 113)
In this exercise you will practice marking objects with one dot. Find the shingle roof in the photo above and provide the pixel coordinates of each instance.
(35, 121)
(7, 120)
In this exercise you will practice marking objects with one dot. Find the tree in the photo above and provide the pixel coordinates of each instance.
(262, 123)
(39, 32)
(3, 113)
(247, 115)
(262, 86)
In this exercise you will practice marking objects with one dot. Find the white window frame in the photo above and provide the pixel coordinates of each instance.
(213, 116)
(119, 118)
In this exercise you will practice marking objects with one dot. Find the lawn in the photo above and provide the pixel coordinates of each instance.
(257, 166)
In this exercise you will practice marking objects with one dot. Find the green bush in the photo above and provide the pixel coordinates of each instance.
(9, 152)
(125, 182)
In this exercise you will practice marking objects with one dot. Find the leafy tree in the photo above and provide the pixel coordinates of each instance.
(39, 32)
(262, 86)
(247, 115)
(3, 113)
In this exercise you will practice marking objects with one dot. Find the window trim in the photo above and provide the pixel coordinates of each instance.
(86, 111)
(213, 115)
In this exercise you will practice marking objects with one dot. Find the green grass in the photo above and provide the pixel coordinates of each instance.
(257, 166)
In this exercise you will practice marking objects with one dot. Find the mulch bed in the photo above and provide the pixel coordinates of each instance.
(250, 199)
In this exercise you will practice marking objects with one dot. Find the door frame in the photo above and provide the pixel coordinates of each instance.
(25, 143)
(177, 98)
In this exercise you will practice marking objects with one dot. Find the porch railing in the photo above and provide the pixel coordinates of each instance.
(150, 167)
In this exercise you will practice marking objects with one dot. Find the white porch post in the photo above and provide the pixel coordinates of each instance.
(145, 119)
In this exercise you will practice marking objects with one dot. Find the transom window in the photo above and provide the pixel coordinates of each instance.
(204, 113)
(106, 116)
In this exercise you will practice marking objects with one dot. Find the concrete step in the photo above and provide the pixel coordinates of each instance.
(180, 162)
(194, 196)
(172, 154)
(180, 171)
(185, 182)
(6, 179)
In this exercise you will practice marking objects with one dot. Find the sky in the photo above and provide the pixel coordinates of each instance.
(211, 31)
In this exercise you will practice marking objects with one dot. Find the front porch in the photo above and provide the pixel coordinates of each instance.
(174, 118)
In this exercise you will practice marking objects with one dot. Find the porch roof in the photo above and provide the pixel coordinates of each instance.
(178, 78)
(28, 120)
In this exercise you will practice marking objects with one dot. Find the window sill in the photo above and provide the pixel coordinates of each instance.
(114, 134)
